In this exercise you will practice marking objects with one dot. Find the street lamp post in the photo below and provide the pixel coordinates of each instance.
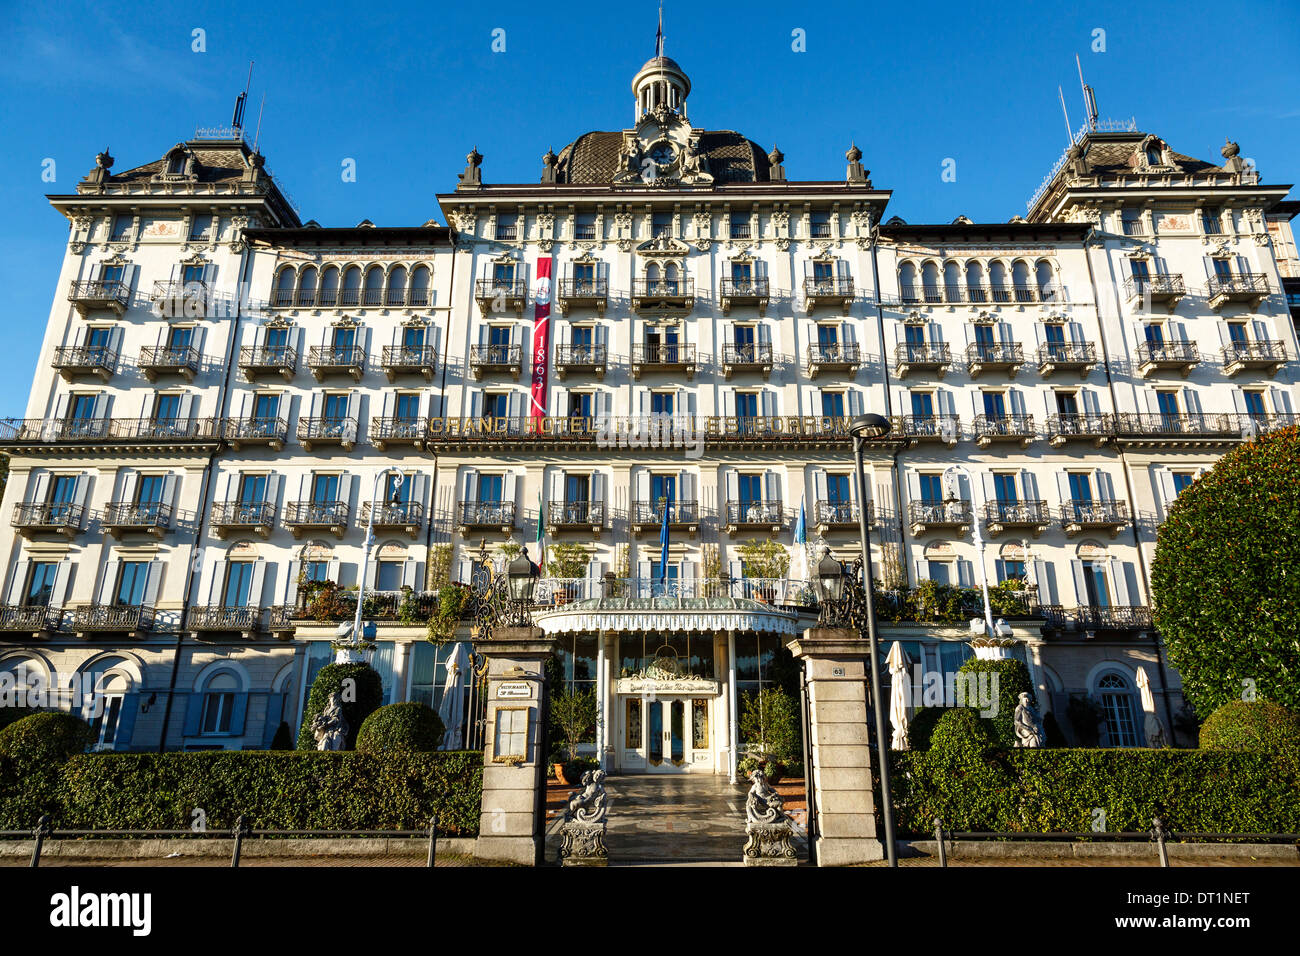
(353, 654)
(862, 428)
(989, 646)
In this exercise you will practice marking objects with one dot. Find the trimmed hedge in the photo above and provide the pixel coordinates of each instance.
(289, 791)
(1057, 790)
(369, 687)
(33, 750)
(1013, 679)
(1259, 725)
(409, 727)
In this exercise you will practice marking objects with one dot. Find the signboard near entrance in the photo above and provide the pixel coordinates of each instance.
(514, 690)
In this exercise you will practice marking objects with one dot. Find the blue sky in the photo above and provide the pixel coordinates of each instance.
(405, 89)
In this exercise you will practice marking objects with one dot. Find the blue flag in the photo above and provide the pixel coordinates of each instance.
(663, 546)
(801, 526)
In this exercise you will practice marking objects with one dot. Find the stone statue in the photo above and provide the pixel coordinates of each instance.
(1029, 726)
(763, 804)
(330, 727)
(591, 803)
(630, 162)
(1154, 731)
(768, 830)
(472, 176)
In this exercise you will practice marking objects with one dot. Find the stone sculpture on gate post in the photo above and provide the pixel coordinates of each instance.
(767, 826)
(583, 830)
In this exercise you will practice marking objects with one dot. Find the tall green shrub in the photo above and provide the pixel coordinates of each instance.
(1013, 680)
(33, 752)
(1224, 583)
(362, 691)
(770, 724)
(409, 727)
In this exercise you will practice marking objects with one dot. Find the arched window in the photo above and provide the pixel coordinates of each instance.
(329, 287)
(975, 290)
(998, 282)
(652, 277)
(670, 279)
(284, 287)
(396, 286)
(1020, 277)
(111, 711)
(1153, 155)
(351, 294)
(951, 281)
(1120, 712)
(418, 295)
(176, 162)
(907, 284)
(1046, 277)
(219, 703)
(307, 287)
(374, 294)
(21, 677)
(930, 282)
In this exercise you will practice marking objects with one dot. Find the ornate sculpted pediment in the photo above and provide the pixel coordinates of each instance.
(663, 247)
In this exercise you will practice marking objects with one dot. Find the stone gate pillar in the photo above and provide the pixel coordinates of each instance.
(836, 664)
(512, 816)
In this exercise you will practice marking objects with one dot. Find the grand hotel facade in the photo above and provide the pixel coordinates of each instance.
(220, 386)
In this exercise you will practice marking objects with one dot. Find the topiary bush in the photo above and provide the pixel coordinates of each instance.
(1012, 679)
(33, 752)
(1260, 726)
(401, 728)
(1224, 584)
(363, 691)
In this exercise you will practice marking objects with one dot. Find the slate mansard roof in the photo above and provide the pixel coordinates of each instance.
(592, 158)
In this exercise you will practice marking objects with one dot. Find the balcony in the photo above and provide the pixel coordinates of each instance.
(994, 357)
(1248, 288)
(251, 432)
(1163, 287)
(580, 359)
(48, 518)
(939, 428)
(741, 516)
(1180, 357)
(405, 517)
(121, 433)
(281, 360)
(1262, 423)
(496, 296)
(36, 620)
(386, 433)
(178, 299)
(1112, 619)
(157, 361)
(311, 517)
(244, 621)
(409, 360)
(748, 292)
(1078, 357)
(755, 357)
(1003, 428)
(679, 358)
(1031, 516)
(839, 516)
(582, 293)
(325, 432)
(934, 359)
(648, 516)
(1080, 517)
(926, 516)
(976, 294)
(1267, 356)
(77, 361)
(495, 359)
(817, 292)
(585, 516)
(843, 358)
(663, 297)
(97, 295)
(1179, 429)
(326, 360)
(123, 518)
(1067, 427)
(243, 517)
(130, 619)
(486, 516)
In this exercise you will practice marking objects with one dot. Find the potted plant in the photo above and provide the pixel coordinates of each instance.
(567, 561)
(765, 560)
(574, 713)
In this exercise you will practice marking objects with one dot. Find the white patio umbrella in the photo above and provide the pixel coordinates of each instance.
(1152, 729)
(897, 663)
(452, 708)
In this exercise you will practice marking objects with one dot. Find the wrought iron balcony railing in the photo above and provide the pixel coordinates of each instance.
(112, 617)
(137, 516)
(85, 360)
(932, 356)
(739, 291)
(401, 514)
(1260, 354)
(110, 430)
(243, 514)
(501, 295)
(336, 358)
(316, 514)
(1066, 426)
(221, 618)
(680, 513)
(575, 514)
(342, 431)
(178, 298)
(951, 294)
(1167, 354)
(161, 360)
(944, 428)
(994, 427)
(839, 356)
(1080, 515)
(57, 516)
(480, 514)
(255, 360)
(1246, 286)
(663, 356)
(398, 431)
(843, 514)
(683, 288)
(1016, 514)
(755, 513)
(408, 359)
(580, 358)
(1181, 426)
(90, 294)
(1114, 618)
(1158, 287)
(583, 292)
(753, 356)
(928, 512)
(993, 355)
(256, 431)
(1066, 355)
(827, 290)
(495, 356)
(30, 618)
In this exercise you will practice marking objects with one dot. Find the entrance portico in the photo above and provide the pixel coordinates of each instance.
(666, 687)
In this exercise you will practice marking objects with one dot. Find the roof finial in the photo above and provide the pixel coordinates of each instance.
(659, 35)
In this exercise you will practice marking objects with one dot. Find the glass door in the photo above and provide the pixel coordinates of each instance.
(666, 735)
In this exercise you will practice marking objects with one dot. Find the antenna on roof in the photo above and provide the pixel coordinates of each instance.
(237, 121)
(1069, 130)
(1089, 97)
(258, 134)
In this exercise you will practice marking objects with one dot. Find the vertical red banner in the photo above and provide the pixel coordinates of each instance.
(542, 288)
